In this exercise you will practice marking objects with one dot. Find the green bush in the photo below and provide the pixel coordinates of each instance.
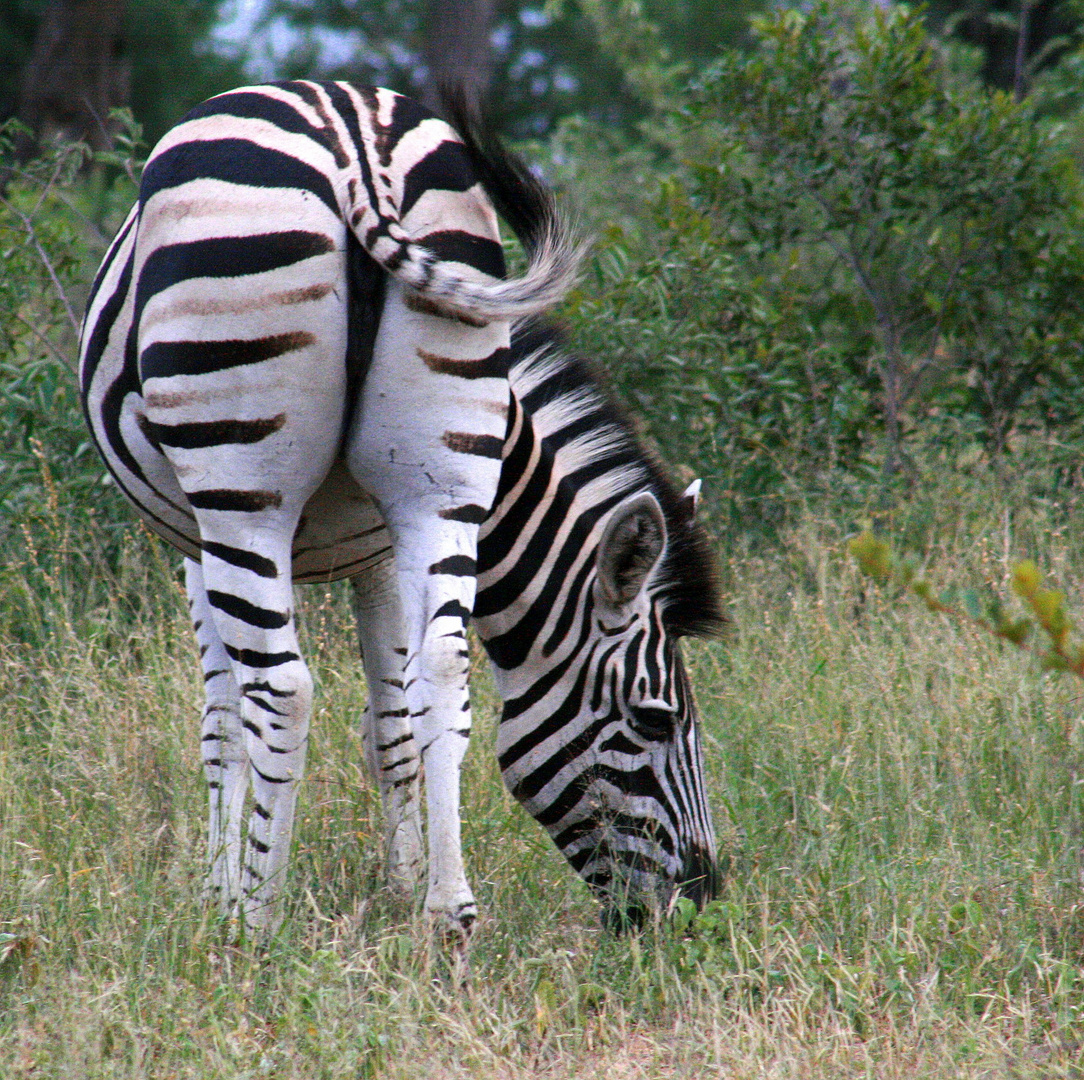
(852, 247)
(57, 215)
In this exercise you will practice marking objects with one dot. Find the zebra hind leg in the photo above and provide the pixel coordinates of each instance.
(222, 746)
(391, 753)
(250, 597)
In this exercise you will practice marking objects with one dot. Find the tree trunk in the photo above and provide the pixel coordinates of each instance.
(77, 72)
(457, 48)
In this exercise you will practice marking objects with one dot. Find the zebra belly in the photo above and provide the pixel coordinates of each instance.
(341, 532)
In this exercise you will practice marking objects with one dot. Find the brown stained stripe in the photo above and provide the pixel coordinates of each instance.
(339, 541)
(201, 434)
(229, 499)
(425, 306)
(463, 442)
(237, 305)
(493, 366)
(342, 158)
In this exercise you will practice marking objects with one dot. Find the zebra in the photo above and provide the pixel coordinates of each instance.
(302, 361)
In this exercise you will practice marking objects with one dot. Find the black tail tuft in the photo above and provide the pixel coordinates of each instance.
(520, 197)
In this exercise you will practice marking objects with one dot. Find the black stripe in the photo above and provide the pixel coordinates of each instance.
(267, 708)
(254, 105)
(512, 523)
(246, 560)
(564, 713)
(454, 245)
(620, 743)
(631, 668)
(633, 859)
(469, 514)
(234, 161)
(265, 688)
(406, 115)
(454, 565)
(539, 553)
(621, 824)
(167, 358)
(382, 747)
(201, 434)
(110, 309)
(572, 606)
(446, 167)
(642, 782)
(545, 683)
(253, 614)
(256, 659)
(270, 779)
(228, 499)
(224, 257)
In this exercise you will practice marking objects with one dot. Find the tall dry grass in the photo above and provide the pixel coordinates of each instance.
(899, 802)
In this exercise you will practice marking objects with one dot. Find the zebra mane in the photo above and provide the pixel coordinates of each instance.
(574, 412)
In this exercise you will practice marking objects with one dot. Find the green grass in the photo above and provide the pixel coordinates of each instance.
(900, 802)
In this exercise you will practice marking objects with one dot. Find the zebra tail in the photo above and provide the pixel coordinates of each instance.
(528, 205)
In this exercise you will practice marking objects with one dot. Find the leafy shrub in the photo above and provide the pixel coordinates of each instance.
(852, 243)
(56, 219)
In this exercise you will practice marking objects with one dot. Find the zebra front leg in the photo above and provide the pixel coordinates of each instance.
(390, 749)
(250, 596)
(222, 747)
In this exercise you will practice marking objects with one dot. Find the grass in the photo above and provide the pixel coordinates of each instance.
(899, 800)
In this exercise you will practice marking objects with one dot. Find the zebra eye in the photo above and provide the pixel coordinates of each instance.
(652, 723)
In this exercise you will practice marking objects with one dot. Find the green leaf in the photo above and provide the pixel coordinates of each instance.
(873, 555)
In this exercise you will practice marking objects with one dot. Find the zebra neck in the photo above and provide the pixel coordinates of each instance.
(568, 459)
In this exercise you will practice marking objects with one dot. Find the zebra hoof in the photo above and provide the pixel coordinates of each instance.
(453, 929)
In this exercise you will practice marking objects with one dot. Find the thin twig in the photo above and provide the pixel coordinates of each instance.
(45, 341)
(46, 261)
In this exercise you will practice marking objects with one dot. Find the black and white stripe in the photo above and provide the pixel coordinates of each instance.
(297, 364)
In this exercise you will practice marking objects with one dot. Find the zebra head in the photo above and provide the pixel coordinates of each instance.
(607, 755)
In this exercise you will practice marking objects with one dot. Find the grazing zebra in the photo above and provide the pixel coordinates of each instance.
(297, 362)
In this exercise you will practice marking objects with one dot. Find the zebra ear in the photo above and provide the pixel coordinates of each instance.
(630, 547)
(690, 497)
